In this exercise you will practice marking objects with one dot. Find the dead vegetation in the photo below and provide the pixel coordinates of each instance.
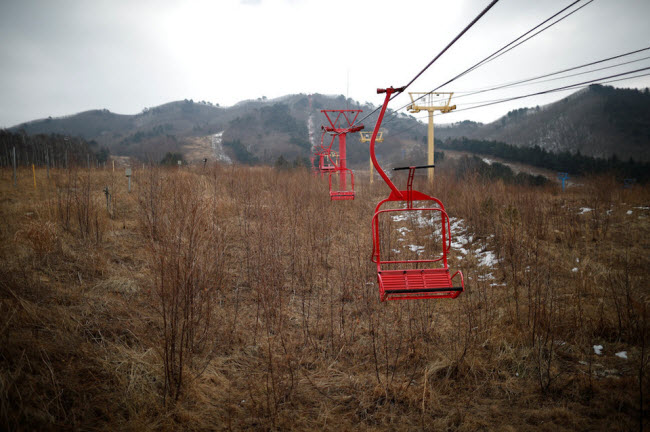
(242, 298)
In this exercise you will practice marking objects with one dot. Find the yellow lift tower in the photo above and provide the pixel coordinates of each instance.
(427, 102)
(365, 137)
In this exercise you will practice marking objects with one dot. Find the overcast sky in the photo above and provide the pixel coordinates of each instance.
(68, 56)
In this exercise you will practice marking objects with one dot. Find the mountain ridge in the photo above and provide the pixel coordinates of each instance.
(597, 121)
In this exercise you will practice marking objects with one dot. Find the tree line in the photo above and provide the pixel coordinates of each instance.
(55, 150)
(572, 163)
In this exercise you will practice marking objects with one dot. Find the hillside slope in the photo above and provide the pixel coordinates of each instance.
(258, 130)
(599, 121)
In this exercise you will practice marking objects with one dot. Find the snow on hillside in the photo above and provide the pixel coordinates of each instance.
(216, 141)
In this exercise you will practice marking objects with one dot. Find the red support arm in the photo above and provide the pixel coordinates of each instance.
(389, 91)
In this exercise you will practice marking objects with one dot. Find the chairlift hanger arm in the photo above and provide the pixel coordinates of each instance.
(389, 92)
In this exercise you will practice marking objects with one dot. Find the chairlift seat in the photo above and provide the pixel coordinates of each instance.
(417, 284)
(341, 195)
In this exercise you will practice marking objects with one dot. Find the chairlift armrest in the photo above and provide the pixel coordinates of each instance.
(414, 167)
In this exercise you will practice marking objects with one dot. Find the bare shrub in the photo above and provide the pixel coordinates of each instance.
(185, 247)
(42, 236)
(77, 206)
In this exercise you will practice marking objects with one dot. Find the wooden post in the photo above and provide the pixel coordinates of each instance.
(127, 172)
(34, 175)
(47, 162)
(14, 163)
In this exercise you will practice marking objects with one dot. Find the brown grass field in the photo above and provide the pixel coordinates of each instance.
(242, 298)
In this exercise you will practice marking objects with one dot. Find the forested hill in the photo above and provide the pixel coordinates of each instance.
(599, 121)
(252, 131)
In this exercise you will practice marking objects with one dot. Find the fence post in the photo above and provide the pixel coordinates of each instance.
(34, 175)
(14, 163)
(47, 162)
(128, 175)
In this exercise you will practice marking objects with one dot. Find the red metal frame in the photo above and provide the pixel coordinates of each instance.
(340, 126)
(321, 153)
(341, 194)
(411, 283)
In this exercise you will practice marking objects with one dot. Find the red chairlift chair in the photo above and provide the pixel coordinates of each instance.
(326, 164)
(341, 122)
(338, 194)
(411, 283)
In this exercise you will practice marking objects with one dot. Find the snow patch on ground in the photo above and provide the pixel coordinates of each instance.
(417, 249)
(598, 349)
(487, 258)
(403, 230)
(487, 161)
(630, 212)
(622, 354)
(574, 269)
(423, 221)
(584, 210)
(486, 277)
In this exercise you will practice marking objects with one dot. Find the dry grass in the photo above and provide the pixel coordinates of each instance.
(295, 336)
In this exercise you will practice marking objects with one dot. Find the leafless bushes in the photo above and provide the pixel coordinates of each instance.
(265, 313)
(186, 249)
(77, 205)
(42, 236)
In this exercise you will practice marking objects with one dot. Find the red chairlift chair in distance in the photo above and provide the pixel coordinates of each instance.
(410, 283)
(338, 194)
(326, 164)
(341, 122)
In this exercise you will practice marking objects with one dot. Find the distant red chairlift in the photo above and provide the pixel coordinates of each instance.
(338, 193)
(410, 283)
(339, 126)
(326, 163)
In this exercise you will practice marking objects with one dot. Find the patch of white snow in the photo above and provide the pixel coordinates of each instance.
(487, 259)
(403, 230)
(217, 148)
